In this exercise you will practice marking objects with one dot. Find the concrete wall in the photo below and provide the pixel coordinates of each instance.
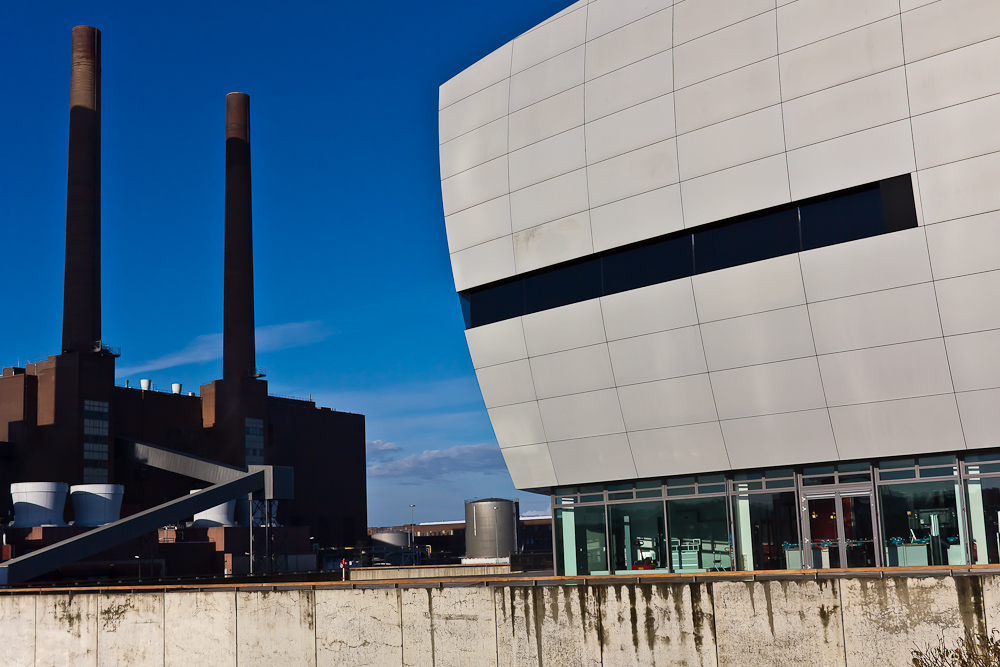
(851, 622)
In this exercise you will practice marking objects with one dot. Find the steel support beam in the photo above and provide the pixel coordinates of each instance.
(173, 461)
(279, 481)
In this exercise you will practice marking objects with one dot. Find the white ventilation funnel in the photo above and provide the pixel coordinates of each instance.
(38, 504)
(176, 387)
(145, 384)
(220, 515)
(96, 504)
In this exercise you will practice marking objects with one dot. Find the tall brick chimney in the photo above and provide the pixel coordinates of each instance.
(82, 290)
(238, 350)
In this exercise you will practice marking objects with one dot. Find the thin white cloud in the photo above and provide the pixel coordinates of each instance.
(208, 347)
(434, 464)
(378, 450)
(276, 337)
(203, 348)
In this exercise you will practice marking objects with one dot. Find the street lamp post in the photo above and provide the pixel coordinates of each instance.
(411, 525)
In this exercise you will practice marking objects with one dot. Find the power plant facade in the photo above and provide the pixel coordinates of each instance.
(729, 274)
(62, 420)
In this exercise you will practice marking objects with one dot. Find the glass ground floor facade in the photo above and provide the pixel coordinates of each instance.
(932, 510)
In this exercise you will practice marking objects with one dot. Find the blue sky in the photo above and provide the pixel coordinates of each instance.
(355, 303)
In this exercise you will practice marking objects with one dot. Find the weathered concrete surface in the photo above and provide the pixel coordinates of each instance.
(991, 601)
(560, 623)
(848, 622)
(657, 624)
(780, 623)
(130, 630)
(17, 618)
(884, 619)
(66, 630)
(359, 628)
(200, 629)
(276, 628)
(417, 629)
(465, 631)
(449, 627)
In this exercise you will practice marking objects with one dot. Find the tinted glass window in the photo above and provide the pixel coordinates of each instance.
(745, 241)
(936, 460)
(897, 474)
(980, 468)
(841, 219)
(851, 214)
(992, 456)
(711, 478)
(498, 302)
(463, 298)
(651, 264)
(567, 284)
(898, 206)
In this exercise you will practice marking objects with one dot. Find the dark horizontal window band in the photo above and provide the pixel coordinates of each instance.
(856, 213)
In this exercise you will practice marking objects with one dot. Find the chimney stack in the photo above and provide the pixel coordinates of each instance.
(82, 289)
(238, 349)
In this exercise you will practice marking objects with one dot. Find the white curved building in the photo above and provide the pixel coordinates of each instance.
(731, 277)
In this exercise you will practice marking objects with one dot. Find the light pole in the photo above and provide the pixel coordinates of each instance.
(411, 525)
(496, 533)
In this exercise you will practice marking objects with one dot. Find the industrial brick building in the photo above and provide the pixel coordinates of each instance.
(729, 274)
(62, 419)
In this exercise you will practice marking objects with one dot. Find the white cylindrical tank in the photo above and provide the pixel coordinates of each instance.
(176, 387)
(220, 515)
(38, 504)
(145, 384)
(96, 504)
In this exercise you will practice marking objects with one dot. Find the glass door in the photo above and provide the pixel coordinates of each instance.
(859, 530)
(824, 531)
(841, 528)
